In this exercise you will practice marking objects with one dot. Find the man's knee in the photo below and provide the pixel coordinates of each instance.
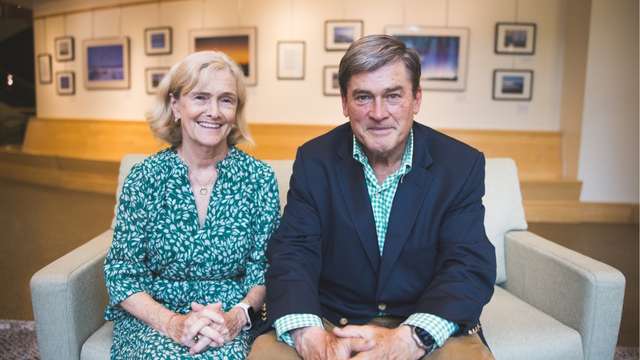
(267, 347)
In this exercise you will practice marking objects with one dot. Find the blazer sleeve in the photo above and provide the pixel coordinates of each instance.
(295, 253)
(466, 261)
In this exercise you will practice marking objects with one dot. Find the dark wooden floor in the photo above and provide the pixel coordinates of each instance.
(39, 224)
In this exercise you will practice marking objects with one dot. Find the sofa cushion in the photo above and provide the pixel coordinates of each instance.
(98, 346)
(503, 207)
(515, 330)
(283, 170)
(125, 165)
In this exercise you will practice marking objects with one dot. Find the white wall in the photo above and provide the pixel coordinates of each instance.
(303, 102)
(609, 147)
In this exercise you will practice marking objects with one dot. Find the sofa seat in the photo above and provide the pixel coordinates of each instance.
(98, 346)
(516, 330)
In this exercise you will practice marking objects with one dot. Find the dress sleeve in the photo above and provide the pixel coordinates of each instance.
(125, 271)
(266, 219)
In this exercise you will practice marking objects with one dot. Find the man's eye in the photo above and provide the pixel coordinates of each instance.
(394, 96)
(362, 97)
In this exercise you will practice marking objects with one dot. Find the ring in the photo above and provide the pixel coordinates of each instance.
(196, 338)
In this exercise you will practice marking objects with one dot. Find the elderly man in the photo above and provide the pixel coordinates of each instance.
(381, 252)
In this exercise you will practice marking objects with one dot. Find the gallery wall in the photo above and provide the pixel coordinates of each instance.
(609, 147)
(303, 101)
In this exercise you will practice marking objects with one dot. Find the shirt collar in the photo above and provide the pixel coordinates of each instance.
(407, 158)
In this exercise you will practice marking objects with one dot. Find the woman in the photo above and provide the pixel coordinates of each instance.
(187, 261)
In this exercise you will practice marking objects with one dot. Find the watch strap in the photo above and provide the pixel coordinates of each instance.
(248, 311)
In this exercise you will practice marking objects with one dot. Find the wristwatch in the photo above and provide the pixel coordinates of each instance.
(423, 339)
(249, 312)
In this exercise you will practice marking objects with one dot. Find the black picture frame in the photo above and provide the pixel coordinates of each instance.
(330, 85)
(339, 34)
(65, 83)
(512, 85)
(158, 41)
(65, 48)
(515, 38)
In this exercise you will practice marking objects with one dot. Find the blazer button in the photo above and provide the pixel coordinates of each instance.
(344, 321)
(382, 306)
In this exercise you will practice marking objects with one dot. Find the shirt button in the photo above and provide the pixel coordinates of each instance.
(382, 306)
(344, 321)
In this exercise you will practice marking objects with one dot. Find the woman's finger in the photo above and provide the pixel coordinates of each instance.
(202, 343)
(212, 334)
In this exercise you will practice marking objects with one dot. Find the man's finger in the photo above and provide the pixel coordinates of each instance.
(352, 332)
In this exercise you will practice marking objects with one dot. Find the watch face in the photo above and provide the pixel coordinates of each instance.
(427, 340)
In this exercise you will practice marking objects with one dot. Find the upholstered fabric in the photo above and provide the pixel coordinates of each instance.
(503, 206)
(98, 346)
(580, 292)
(516, 330)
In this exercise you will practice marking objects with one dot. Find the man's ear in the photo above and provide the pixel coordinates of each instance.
(417, 100)
(345, 112)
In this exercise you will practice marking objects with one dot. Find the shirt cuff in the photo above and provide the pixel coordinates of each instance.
(294, 321)
(438, 327)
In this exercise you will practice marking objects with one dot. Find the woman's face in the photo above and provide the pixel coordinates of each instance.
(207, 112)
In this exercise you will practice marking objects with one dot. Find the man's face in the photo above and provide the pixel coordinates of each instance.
(380, 106)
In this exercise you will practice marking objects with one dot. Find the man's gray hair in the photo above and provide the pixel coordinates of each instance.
(375, 51)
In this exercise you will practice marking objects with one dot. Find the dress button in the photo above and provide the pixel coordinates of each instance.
(382, 306)
(344, 321)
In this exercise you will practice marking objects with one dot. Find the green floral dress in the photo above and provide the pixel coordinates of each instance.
(159, 248)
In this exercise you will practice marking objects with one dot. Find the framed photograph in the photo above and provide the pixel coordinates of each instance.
(154, 76)
(44, 69)
(512, 85)
(443, 54)
(66, 82)
(64, 48)
(157, 41)
(238, 43)
(291, 60)
(330, 83)
(106, 63)
(515, 38)
(339, 34)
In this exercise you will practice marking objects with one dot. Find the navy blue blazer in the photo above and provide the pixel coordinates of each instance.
(437, 259)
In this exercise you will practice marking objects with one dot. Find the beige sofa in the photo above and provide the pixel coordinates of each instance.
(549, 303)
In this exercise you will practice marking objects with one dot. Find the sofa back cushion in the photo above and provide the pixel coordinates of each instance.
(503, 206)
(503, 202)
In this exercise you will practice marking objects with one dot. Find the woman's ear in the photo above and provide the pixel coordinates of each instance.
(175, 106)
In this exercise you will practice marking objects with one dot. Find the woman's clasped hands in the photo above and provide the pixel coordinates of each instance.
(206, 326)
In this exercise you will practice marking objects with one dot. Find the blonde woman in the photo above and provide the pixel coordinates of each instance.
(185, 272)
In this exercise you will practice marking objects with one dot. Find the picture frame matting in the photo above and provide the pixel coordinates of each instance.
(106, 63)
(514, 85)
(515, 38)
(339, 34)
(291, 59)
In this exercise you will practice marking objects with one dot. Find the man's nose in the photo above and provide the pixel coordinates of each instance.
(379, 111)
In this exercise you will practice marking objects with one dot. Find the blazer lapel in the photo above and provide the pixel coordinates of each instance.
(356, 196)
(408, 200)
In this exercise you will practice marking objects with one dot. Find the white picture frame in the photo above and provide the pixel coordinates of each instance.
(291, 59)
(238, 43)
(44, 69)
(106, 63)
(443, 55)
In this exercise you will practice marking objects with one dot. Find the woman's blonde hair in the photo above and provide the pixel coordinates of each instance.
(181, 79)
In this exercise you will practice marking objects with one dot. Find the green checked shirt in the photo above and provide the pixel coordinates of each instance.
(381, 196)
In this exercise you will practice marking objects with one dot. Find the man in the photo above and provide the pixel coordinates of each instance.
(383, 230)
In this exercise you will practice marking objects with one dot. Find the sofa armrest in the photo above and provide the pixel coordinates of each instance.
(69, 297)
(580, 292)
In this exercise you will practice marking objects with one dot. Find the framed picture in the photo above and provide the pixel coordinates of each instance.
(512, 85)
(44, 69)
(66, 82)
(515, 38)
(443, 54)
(238, 43)
(154, 76)
(291, 60)
(330, 83)
(64, 48)
(339, 34)
(157, 41)
(106, 63)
